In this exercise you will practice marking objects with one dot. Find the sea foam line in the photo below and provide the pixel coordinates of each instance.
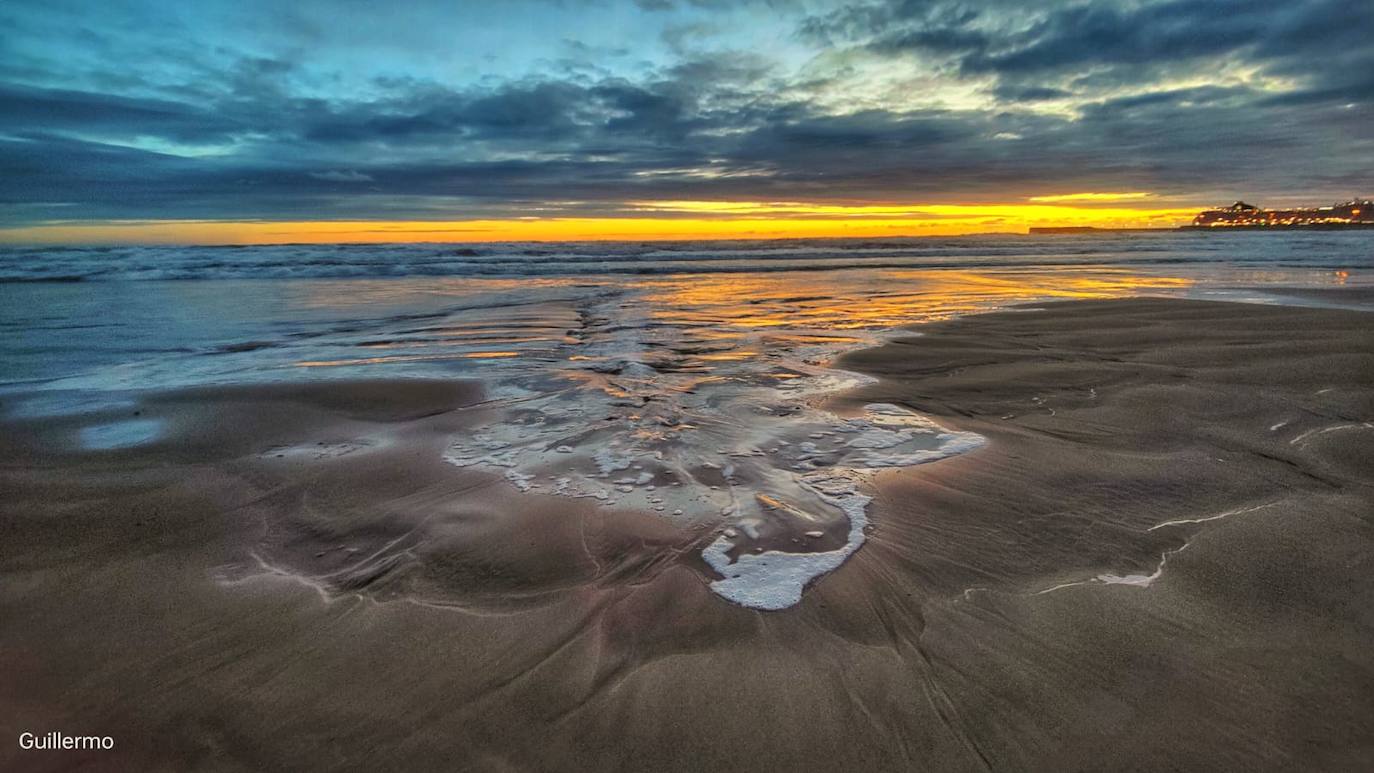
(1219, 516)
(775, 579)
(1135, 580)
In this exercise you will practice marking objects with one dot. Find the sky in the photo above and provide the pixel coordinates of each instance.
(246, 121)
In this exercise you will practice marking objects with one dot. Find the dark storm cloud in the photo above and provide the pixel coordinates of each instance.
(536, 111)
(855, 21)
(1119, 42)
(1079, 97)
(1184, 29)
(28, 108)
(1012, 93)
(935, 39)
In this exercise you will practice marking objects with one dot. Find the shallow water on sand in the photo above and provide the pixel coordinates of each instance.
(698, 397)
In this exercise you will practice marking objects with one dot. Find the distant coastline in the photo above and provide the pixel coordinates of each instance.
(1088, 229)
(1282, 227)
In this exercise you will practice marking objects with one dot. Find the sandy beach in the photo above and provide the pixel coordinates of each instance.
(1160, 559)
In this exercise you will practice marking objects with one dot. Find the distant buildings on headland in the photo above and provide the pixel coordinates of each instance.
(1242, 215)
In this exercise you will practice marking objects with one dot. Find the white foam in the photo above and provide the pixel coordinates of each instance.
(1217, 517)
(774, 579)
(520, 480)
(612, 423)
(1134, 580)
(1141, 580)
(609, 461)
(1323, 430)
(804, 484)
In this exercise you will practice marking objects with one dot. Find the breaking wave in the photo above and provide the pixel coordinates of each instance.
(517, 259)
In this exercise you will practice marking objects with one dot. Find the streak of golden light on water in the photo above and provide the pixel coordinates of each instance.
(804, 300)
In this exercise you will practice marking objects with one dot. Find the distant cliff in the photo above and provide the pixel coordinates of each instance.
(1066, 229)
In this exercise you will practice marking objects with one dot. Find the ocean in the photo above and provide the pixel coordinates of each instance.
(159, 316)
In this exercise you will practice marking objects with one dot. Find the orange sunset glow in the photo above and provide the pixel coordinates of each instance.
(640, 220)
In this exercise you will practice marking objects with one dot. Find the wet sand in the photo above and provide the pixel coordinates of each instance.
(1160, 560)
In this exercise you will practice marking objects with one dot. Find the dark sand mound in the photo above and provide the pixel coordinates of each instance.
(1162, 560)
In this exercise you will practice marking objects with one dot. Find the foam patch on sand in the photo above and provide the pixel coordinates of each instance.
(791, 473)
(710, 425)
(775, 579)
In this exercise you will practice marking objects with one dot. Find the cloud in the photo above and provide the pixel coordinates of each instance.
(1122, 196)
(28, 108)
(1014, 93)
(342, 176)
(1179, 31)
(287, 117)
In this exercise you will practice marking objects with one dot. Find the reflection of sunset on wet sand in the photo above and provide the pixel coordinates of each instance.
(724, 315)
(891, 298)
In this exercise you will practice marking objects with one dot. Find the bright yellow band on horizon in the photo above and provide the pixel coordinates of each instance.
(654, 220)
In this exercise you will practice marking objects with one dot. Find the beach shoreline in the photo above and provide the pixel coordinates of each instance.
(1159, 559)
